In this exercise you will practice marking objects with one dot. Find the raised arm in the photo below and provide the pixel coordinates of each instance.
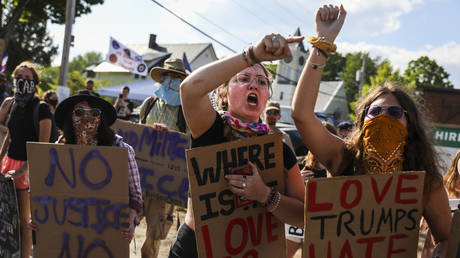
(198, 111)
(327, 148)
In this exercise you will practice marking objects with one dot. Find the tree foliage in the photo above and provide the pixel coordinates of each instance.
(23, 28)
(334, 67)
(426, 72)
(80, 62)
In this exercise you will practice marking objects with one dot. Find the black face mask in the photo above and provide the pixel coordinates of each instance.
(24, 91)
(52, 102)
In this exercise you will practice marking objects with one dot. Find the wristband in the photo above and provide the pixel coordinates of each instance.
(252, 56)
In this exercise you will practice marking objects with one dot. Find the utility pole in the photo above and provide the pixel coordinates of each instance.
(69, 18)
(360, 74)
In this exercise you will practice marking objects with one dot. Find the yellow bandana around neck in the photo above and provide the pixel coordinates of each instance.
(384, 139)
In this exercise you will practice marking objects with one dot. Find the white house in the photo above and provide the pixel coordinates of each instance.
(197, 54)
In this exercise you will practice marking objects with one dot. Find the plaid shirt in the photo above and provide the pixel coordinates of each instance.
(134, 182)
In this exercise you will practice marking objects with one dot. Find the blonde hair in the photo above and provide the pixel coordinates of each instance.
(451, 177)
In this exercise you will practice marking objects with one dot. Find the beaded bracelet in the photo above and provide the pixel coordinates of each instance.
(276, 204)
(271, 197)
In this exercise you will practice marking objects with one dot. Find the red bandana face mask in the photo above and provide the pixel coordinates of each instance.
(85, 128)
(384, 140)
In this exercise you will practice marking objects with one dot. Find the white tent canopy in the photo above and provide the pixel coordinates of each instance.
(138, 91)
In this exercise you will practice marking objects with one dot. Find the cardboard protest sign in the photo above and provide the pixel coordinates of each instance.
(225, 224)
(453, 247)
(79, 199)
(363, 216)
(161, 160)
(9, 220)
(293, 231)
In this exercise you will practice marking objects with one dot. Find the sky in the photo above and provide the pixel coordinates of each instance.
(397, 30)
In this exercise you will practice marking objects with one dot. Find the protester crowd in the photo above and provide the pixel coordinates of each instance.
(242, 88)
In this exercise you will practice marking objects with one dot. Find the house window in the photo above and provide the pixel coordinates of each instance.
(281, 95)
(136, 76)
(301, 60)
(288, 59)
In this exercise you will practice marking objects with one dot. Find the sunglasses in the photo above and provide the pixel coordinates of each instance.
(246, 79)
(272, 112)
(394, 111)
(94, 112)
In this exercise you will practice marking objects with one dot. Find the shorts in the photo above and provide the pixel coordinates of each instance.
(21, 183)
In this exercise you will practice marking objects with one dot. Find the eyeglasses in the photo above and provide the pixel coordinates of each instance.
(394, 111)
(246, 79)
(94, 112)
(272, 112)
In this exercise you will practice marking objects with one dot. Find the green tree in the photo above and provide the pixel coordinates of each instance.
(29, 18)
(48, 78)
(383, 74)
(426, 72)
(80, 62)
(354, 63)
(75, 81)
(335, 65)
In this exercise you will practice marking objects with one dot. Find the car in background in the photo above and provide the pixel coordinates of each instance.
(287, 125)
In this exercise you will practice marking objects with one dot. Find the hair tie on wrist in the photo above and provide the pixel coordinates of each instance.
(322, 43)
(252, 56)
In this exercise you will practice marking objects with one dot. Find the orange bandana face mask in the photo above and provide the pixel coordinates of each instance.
(384, 140)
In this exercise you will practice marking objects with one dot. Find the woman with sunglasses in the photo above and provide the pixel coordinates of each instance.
(85, 120)
(248, 92)
(18, 112)
(389, 134)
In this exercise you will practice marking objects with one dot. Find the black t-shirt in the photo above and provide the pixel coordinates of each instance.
(215, 135)
(21, 128)
(121, 112)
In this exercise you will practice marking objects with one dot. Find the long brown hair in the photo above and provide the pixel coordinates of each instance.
(451, 177)
(418, 151)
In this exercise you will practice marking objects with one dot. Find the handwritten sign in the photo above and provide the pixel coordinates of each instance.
(9, 220)
(226, 225)
(79, 199)
(363, 216)
(293, 231)
(161, 160)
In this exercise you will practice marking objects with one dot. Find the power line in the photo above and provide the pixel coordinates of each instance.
(224, 30)
(233, 51)
(193, 26)
(264, 22)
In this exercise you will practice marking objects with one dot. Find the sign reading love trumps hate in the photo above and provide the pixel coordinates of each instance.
(79, 199)
(227, 225)
(363, 216)
(160, 157)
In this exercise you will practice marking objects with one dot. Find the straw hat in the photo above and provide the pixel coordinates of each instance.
(172, 65)
(273, 105)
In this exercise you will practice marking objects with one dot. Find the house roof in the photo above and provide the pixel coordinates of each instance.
(106, 67)
(300, 44)
(327, 91)
(154, 57)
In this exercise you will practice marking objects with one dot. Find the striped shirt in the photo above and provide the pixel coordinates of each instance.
(134, 182)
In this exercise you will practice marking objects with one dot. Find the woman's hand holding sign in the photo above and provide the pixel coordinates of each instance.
(249, 186)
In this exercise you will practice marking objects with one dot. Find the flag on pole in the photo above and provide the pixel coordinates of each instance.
(122, 56)
(4, 60)
(186, 64)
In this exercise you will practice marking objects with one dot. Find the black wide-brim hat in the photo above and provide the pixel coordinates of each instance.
(65, 108)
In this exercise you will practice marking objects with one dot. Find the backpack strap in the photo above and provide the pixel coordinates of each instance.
(147, 109)
(36, 118)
